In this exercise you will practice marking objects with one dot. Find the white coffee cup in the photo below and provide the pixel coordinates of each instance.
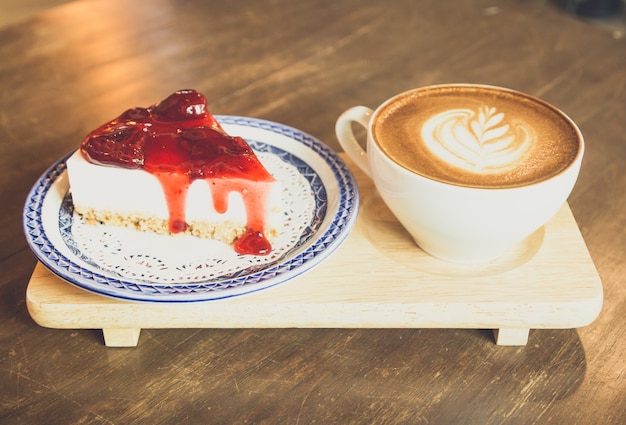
(460, 221)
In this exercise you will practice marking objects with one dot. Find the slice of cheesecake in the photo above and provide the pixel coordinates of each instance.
(171, 168)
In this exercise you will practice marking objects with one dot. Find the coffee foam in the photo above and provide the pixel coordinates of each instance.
(476, 136)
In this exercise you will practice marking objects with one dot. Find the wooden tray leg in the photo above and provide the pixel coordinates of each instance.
(511, 336)
(121, 337)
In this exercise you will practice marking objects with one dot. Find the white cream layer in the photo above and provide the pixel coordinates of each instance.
(137, 192)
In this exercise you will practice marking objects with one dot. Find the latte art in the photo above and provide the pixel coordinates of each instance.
(477, 136)
(480, 141)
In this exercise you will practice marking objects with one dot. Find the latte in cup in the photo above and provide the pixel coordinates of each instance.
(469, 170)
(476, 136)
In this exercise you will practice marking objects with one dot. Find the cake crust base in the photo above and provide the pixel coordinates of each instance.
(224, 231)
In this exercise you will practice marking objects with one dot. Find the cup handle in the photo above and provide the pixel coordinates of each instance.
(343, 129)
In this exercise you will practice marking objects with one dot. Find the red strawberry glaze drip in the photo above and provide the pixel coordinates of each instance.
(179, 141)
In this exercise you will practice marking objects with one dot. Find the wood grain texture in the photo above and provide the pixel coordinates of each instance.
(67, 70)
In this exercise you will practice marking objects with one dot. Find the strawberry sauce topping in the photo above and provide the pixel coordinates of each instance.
(179, 141)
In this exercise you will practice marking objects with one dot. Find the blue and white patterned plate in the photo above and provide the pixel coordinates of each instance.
(323, 201)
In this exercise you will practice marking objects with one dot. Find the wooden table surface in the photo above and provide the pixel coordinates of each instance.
(71, 68)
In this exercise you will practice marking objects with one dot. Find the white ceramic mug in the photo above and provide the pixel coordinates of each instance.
(455, 222)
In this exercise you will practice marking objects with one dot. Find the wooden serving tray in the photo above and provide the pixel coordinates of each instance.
(377, 279)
